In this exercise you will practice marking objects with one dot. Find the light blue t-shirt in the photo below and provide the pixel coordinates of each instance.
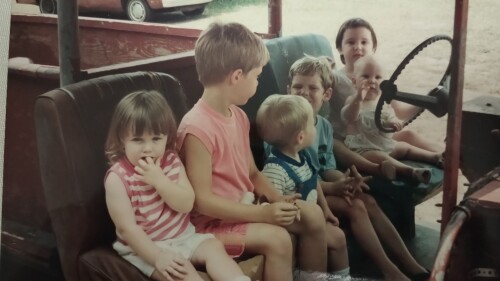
(321, 151)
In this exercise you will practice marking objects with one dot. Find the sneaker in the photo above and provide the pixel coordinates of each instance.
(422, 175)
(440, 161)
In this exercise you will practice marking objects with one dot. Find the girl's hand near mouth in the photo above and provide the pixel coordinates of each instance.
(149, 171)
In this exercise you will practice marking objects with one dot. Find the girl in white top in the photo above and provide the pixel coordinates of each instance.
(355, 39)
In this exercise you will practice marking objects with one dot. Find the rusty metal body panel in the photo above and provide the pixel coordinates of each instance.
(102, 42)
(475, 254)
(480, 148)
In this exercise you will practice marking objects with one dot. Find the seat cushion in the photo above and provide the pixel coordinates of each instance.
(104, 264)
(252, 267)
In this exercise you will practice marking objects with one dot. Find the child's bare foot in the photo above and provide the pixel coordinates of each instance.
(440, 161)
(437, 160)
(387, 170)
(422, 175)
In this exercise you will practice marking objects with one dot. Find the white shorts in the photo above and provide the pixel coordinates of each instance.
(184, 246)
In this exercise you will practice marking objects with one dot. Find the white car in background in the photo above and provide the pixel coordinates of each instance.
(136, 10)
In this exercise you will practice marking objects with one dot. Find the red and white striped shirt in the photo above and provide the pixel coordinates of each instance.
(155, 217)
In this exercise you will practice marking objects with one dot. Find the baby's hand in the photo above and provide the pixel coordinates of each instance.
(149, 171)
(396, 125)
(281, 213)
(171, 265)
(363, 90)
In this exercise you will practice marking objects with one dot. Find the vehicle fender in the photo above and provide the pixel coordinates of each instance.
(155, 4)
(99, 5)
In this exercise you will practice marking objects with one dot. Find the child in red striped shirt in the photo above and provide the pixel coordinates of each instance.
(149, 196)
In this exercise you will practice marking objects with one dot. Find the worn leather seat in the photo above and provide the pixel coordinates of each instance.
(71, 127)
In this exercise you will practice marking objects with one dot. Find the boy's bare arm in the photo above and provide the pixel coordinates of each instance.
(321, 198)
(199, 171)
(332, 175)
(324, 206)
(263, 187)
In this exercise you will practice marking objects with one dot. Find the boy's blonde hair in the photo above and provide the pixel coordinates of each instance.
(137, 113)
(309, 66)
(223, 48)
(281, 117)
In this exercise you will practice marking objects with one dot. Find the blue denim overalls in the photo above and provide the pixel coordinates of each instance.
(302, 187)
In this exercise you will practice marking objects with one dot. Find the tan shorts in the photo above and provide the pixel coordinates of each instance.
(184, 246)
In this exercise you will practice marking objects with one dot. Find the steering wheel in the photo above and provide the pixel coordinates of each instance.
(436, 101)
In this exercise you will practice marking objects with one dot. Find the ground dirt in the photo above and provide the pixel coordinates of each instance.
(400, 26)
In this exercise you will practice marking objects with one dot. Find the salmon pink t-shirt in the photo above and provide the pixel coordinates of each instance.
(227, 141)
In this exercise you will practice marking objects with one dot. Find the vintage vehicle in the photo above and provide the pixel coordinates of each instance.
(136, 10)
(60, 94)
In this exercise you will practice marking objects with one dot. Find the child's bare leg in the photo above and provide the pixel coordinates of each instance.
(311, 236)
(389, 235)
(192, 275)
(275, 244)
(337, 248)
(219, 265)
(415, 139)
(347, 158)
(404, 150)
(365, 234)
(380, 156)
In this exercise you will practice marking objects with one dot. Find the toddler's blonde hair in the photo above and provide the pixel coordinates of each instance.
(281, 117)
(309, 66)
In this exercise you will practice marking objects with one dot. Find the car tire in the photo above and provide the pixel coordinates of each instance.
(194, 12)
(138, 10)
(48, 6)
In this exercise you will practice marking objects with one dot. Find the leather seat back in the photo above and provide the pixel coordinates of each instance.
(284, 51)
(71, 127)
